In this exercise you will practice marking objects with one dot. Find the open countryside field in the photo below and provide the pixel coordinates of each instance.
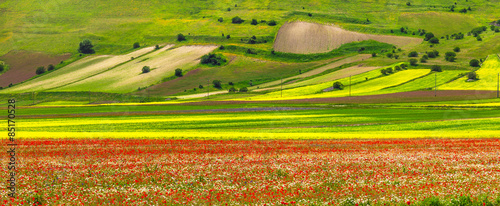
(488, 77)
(303, 38)
(129, 77)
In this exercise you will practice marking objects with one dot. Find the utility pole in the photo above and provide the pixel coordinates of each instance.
(435, 84)
(281, 86)
(349, 85)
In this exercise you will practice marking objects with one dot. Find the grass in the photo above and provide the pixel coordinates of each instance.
(488, 76)
(438, 22)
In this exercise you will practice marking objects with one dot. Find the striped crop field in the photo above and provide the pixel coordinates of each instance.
(488, 77)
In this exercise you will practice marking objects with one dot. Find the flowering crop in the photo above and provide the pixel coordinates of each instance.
(194, 172)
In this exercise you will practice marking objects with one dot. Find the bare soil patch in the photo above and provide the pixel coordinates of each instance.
(305, 38)
(23, 65)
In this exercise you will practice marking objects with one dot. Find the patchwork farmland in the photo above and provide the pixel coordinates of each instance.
(349, 103)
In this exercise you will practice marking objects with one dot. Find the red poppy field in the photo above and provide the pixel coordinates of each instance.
(315, 172)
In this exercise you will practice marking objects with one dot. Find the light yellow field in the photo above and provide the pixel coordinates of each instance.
(129, 77)
(304, 38)
(488, 77)
(75, 72)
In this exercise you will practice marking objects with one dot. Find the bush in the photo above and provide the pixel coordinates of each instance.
(178, 72)
(217, 84)
(136, 45)
(86, 47)
(397, 68)
(309, 14)
(497, 30)
(396, 56)
(472, 76)
(428, 36)
(40, 70)
(51, 67)
(145, 69)
(251, 51)
(338, 85)
(436, 68)
(374, 54)
(232, 89)
(157, 47)
(243, 89)
(413, 62)
(425, 56)
(201, 86)
(254, 22)
(2, 67)
(404, 66)
(389, 55)
(423, 60)
(237, 20)
(222, 47)
(387, 71)
(228, 36)
(272, 23)
(450, 56)
(221, 20)
(479, 38)
(413, 54)
(181, 37)
(431, 55)
(434, 40)
(474, 63)
(213, 59)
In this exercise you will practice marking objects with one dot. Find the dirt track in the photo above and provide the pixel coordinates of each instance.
(23, 65)
(303, 38)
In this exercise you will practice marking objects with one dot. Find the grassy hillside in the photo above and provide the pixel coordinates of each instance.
(488, 77)
(57, 26)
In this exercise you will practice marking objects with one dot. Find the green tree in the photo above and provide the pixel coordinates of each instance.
(237, 20)
(413, 62)
(338, 85)
(178, 72)
(436, 68)
(40, 70)
(474, 63)
(434, 40)
(472, 76)
(232, 89)
(201, 86)
(136, 45)
(181, 37)
(254, 22)
(146, 69)
(243, 89)
(217, 84)
(271, 23)
(2, 67)
(86, 47)
(413, 54)
(450, 56)
(50, 67)
(428, 36)
(221, 20)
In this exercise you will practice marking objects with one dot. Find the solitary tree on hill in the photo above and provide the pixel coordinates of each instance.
(86, 47)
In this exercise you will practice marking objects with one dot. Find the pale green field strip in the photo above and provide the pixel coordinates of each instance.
(319, 70)
(426, 82)
(129, 77)
(360, 85)
(488, 77)
(76, 71)
(62, 103)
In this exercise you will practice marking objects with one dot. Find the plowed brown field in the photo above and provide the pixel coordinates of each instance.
(303, 38)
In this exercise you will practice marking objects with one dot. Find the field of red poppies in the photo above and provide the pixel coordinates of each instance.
(180, 172)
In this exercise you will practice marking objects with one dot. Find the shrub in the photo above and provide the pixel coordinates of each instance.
(309, 14)
(222, 47)
(157, 47)
(472, 76)
(146, 69)
(404, 66)
(497, 30)
(390, 55)
(228, 9)
(251, 51)
(436, 68)
(474, 63)
(413, 62)
(374, 54)
(436, 53)
(387, 71)
(178, 72)
(397, 68)
(213, 59)
(425, 56)
(431, 54)
(479, 38)
(86, 47)
(50, 67)
(423, 60)
(10, 85)
(237, 20)
(413, 54)
(2, 67)
(450, 56)
(220, 19)
(428, 36)
(181, 37)
(228, 36)
(217, 84)
(40, 70)
(338, 85)
(232, 89)
(408, 4)
(272, 23)
(243, 89)
(254, 22)
(396, 56)
(136, 45)
(434, 40)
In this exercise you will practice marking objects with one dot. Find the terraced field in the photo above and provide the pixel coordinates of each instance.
(488, 77)
(129, 77)
(76, 71)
